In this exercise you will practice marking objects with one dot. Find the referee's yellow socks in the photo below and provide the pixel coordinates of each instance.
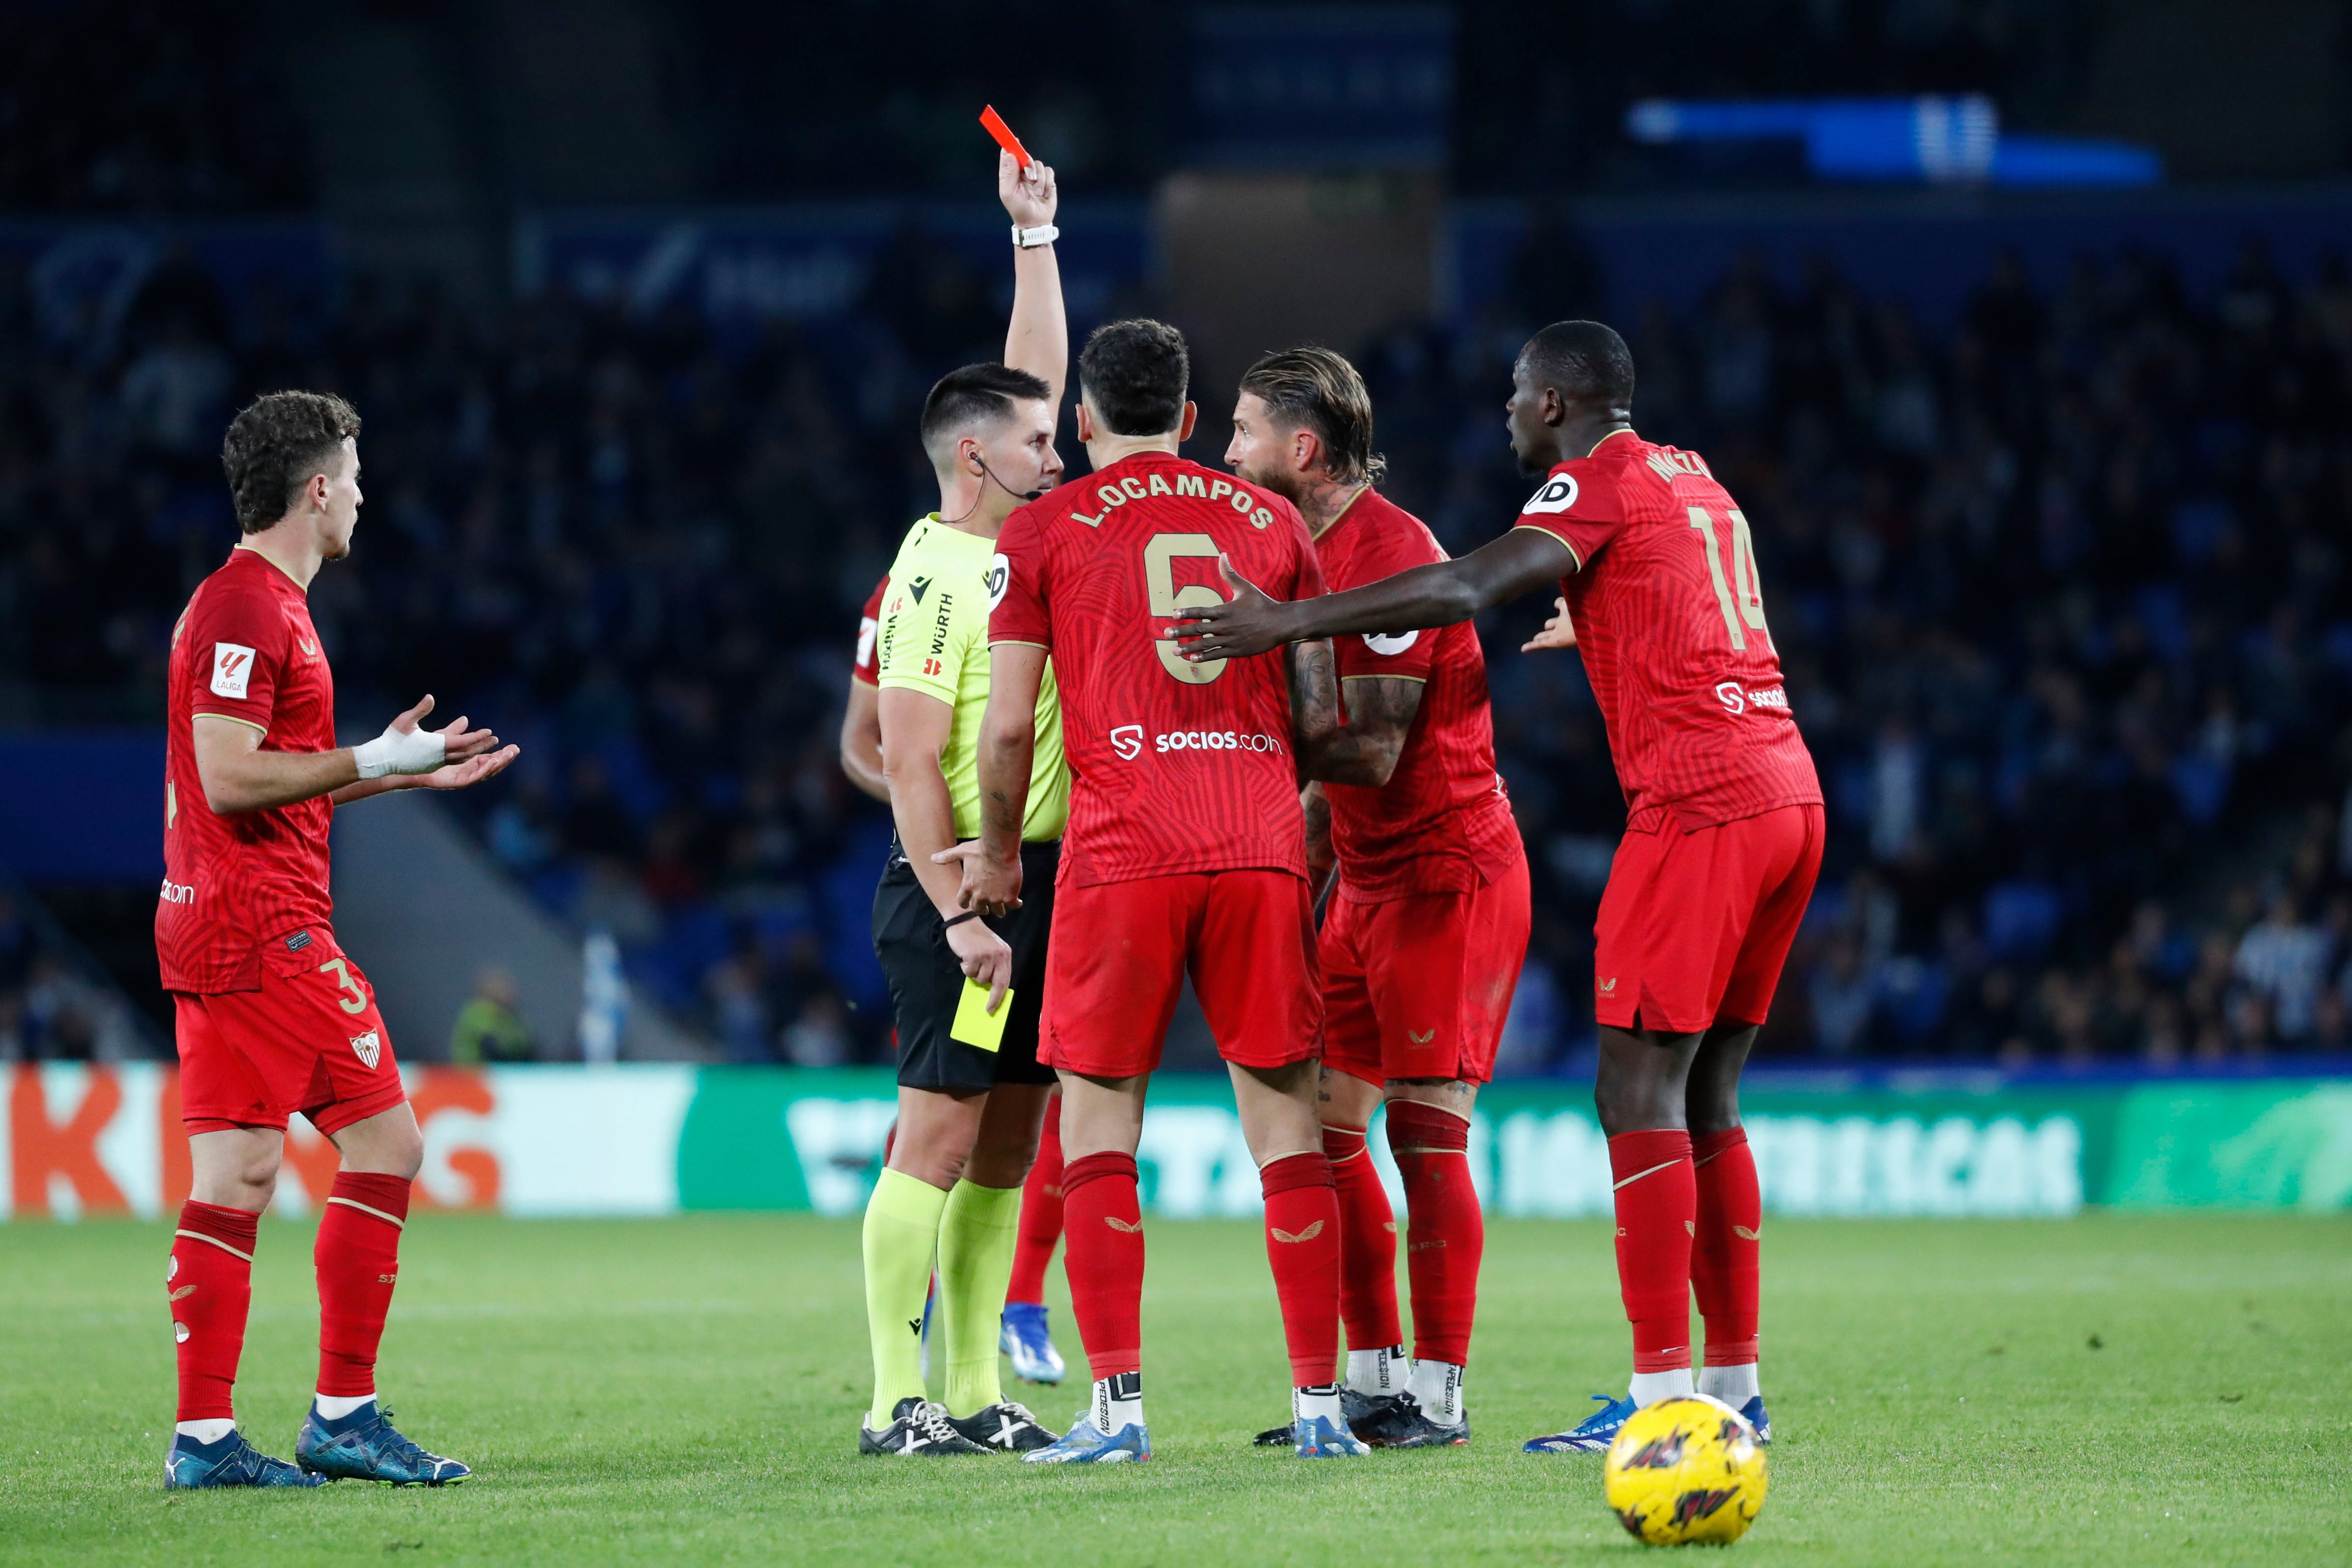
(902, 1230)
(976, 1240)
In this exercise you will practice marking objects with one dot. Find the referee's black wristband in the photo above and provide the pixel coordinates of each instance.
(967, 914)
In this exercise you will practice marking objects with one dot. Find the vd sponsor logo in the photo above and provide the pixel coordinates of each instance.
(1558, 495)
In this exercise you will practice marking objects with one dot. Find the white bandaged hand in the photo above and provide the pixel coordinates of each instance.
(398, 751)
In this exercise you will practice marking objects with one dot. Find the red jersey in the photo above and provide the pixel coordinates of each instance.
(244, 650)
(1670, 618)
(1174, 767)
(869, 622)
(1442, 822)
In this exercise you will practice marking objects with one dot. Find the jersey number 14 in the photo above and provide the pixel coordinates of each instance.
(1741, 595)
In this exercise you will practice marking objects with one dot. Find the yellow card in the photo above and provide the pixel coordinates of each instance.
(974, 1024)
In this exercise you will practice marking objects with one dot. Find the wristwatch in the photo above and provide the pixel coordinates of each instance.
(1030, 239)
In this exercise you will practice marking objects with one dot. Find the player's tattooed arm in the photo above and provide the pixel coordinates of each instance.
(1315, 716)
(1320, 860)
(1365, 749)
(1520, 562)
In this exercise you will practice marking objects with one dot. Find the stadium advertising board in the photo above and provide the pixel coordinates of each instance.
(651, 1140)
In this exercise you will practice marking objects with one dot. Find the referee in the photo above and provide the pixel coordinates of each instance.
(972, 1094)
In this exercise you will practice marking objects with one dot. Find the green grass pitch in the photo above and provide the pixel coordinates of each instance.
(2108, 1389)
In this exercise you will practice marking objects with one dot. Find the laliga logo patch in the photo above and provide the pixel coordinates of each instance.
(1128, 741)
(368, 1046)
(1390, 644)
(232, 670)
(1000, 573)
(1558, 495)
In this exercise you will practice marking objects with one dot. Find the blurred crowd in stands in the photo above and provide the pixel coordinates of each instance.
(54, 1005)
(2060, 590)
(143, 106)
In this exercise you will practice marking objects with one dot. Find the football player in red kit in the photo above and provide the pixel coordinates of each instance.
(1723, 834)
(1427, 925)
(861, 716)
(274, 1015)
(1185, 849)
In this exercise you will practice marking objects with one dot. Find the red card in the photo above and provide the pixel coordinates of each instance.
(994, 125)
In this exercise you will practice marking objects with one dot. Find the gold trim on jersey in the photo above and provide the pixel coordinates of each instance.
(1339, 516)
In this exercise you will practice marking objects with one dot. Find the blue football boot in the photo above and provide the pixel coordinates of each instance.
(1087, 1443)
(362, 1446)
(1025, 1339)
(1317, 1437)
(1753, 1414)
(231, 1462)
(1592, 1436)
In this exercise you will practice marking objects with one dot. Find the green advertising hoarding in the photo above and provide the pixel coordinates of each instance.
(1927, 1143)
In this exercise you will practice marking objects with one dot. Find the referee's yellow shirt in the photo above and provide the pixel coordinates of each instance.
(934, 639)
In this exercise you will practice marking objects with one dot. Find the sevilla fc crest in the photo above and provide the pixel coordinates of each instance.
(367, 1047)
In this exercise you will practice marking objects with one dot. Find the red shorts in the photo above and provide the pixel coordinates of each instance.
(1695, 927)
(1419, 987)
(309, 1039)
(1119, 951)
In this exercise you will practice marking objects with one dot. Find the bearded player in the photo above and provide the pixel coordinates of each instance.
(273, 1016)
(1427, 925)
(1723, 834)
(1185, 849)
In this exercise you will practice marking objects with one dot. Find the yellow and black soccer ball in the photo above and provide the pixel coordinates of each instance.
(1685, 1470)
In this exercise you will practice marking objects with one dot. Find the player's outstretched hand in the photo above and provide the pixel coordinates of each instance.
(460, 743)
(1027, 190)
(473, 771)
(1250, 623)
(985, 958)
(991, 888)
(1558, 632)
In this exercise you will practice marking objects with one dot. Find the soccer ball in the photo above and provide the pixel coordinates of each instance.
(1684, 1471)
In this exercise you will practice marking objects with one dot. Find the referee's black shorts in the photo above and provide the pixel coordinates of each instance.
(927, 978)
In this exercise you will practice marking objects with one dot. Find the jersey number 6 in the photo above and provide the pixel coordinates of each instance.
(1741, 598)
(1160, 553)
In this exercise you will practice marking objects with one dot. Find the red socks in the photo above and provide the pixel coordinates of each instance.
(1041, 1213)
(1446, 1236)
(358, 1259)
(1657, 1210)
(210, 1283)
(1302, 1243)
(1724, 1271)
(1367, 1242)
(1105, 1259)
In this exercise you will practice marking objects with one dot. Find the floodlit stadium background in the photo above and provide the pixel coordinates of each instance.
(2023, 332)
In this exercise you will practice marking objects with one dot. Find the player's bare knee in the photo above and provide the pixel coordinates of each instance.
(1002, 1159)
(1455, 1096)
